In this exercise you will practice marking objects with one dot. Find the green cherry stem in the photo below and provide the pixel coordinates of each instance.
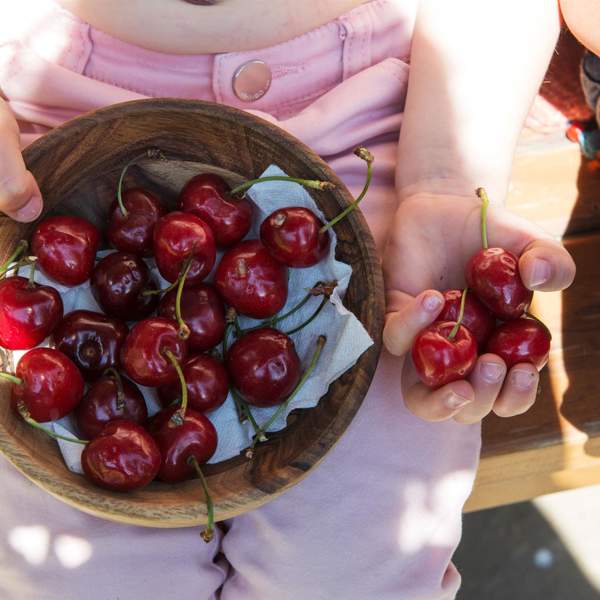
(116, 376)
(18, 252)
(184, 330)
(152, 153)
(179, 415)
(461, 314)
(313, 184)
(182, 276)
(12, 378)
(208, 532)
(244, 409)
(485, 202)
(310, 319)
(27, 418)
(365, 155)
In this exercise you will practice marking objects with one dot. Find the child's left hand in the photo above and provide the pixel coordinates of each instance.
(433, 237)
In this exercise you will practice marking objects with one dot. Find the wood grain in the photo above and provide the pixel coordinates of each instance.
(77, 167)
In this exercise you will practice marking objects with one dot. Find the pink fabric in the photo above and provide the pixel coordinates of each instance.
(381, 516)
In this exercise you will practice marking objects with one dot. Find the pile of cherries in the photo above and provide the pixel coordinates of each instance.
(490, 315)
(174, 339)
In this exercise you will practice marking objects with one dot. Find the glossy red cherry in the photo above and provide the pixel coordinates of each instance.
(196, 437)
(203, 312)
(439, 360)
(145, 352)
(51, 384)
(123, 457)
(252, 281)
(133, 232)
(29, 313)
(91, 340)
(207, 384)
(493, 275)
(292, 235)
(521, 341)
(119, 283)
(207, 196)
(477, 318)
(179, 235)
(109, 399)
(66, 248)
(264, 366)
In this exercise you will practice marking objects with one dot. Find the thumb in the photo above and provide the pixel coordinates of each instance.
(407, 315)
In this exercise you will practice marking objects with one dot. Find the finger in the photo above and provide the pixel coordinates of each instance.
(20, 196)
(440, 404)
(519, 391)
(486, 380)
(407, 317)
(546, 266)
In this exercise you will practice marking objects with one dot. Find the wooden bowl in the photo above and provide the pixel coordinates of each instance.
(77, 166)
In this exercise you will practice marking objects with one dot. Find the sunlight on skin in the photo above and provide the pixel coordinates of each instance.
(32, 542)
(71, 551)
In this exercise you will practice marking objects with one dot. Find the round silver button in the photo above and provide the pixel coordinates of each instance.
(252, 80)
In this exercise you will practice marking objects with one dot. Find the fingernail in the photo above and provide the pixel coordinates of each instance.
(30, 211)
(540, 272)
(524, 380)
(492, 372)
(432, 302)
(454, 401)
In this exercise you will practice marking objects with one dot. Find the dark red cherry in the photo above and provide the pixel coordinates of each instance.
(123, 457)
(521, 341)
(29, 313)
(439, 360)
(109, 399)
(264, 366)
(207, 196)
(91, 340)
(493, 275)
(134, 231)
(196, 437)
(292, 236)
(179, 235)
(119, 283)
(207, 384)
(145, 353)
(477, 318)
(252, 281)
(66, 248)
(51, 384)
(203, 312)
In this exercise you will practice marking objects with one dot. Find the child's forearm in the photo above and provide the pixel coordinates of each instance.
(475, 68)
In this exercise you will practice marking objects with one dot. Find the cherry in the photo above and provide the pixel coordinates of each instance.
(477, 318)
(120, 284)
(264, 366)
(293, 235)
(439, 359)
(521, 341)
(251, 280)
(110, 398)
(208, 196)
(91, 340)
(66, 248)
(207, 384)
(47, 384)
(28, 312)
(123, 457)
(150, 350)
(131, 224)
(202, 311)
(178, 237)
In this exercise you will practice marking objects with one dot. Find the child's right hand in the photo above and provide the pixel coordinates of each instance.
(20, 196)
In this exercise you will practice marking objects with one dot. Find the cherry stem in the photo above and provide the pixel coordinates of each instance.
(18, 252)
(282, 407)
(532, 316)
(12, 378)
(207, 533)
(485, 202)
(461, 314)
(179, 415)
(184, 330)
(244, 409)
(310, 319)
(114, 374)
(31, 281)
(27, 418)
(365, 155)
(151, 153)
(313, 184)
(159, 291)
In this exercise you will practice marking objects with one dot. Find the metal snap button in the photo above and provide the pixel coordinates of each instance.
(252, 80)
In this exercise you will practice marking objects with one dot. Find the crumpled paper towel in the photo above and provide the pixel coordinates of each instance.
(347, 339)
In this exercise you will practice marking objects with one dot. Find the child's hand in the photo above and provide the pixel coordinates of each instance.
(433, 237)
(20, 196)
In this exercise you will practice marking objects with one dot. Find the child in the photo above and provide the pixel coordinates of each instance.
(380, 517)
